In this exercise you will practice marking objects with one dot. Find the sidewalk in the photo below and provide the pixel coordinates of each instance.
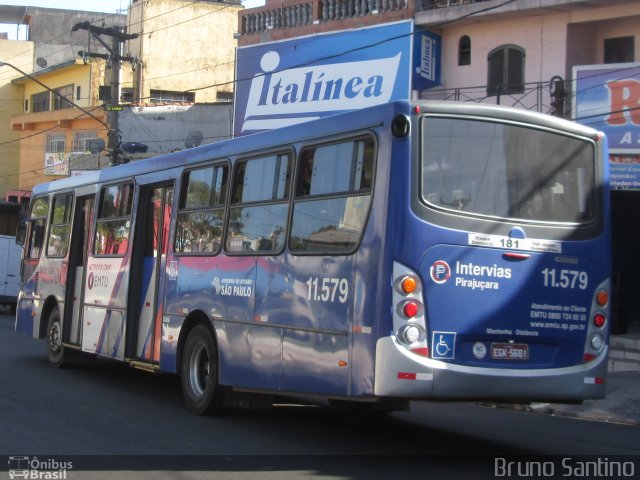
(621, 405)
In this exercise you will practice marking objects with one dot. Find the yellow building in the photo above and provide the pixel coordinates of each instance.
(11, 103)
(52, 128)
(187, 50)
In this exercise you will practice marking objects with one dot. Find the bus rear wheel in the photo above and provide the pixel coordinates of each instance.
(55, 348)
(200, 388)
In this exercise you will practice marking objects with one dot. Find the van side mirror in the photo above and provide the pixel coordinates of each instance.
(21, 233)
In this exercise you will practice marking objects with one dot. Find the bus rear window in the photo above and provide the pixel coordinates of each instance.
(507, 171)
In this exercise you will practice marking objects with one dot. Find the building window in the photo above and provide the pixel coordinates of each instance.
(505, 70)
(55, 143)
(165, 96)
(224, 97)
(64, 98)
(619, 50)
(82, 140)
(126, 95)
(464, 50)
(40, 102)
(78, 92)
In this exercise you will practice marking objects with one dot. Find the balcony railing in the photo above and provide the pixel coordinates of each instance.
(429, 4)
(540, 97)
(292, 14)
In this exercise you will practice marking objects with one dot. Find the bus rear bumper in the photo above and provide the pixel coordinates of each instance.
(400, 373)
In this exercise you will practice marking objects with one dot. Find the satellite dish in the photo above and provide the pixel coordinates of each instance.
(193, 139)
(96, 145)
(41, 62)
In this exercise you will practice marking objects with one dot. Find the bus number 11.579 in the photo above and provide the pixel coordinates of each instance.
(327, 289)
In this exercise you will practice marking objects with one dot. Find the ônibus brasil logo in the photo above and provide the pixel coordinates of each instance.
(440, 271)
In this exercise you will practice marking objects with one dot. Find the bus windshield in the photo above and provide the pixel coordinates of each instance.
(506, 170)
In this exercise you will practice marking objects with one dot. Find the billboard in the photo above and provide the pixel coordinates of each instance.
(426, 60)
(305, 78)
(607, 97)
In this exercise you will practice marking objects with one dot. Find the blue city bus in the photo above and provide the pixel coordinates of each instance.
(408, 251)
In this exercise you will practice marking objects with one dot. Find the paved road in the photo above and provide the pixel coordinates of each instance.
(105, 408)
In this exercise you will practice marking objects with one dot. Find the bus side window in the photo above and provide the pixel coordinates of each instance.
(60, 230)
(38, 225)
(259, 209)
(333, 191)
(114, 220)
(201, 210)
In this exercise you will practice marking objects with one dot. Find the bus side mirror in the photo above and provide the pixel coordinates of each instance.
(21, 233)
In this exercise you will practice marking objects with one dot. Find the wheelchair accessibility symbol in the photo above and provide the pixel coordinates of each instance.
(443, 345)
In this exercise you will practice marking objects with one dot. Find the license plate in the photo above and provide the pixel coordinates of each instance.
(509, 351)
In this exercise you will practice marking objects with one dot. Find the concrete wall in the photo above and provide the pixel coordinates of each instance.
(51, 32)
(164, 128)
(183, 46)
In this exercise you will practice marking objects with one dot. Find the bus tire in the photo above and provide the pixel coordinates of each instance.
(55, 348)
(200, 388)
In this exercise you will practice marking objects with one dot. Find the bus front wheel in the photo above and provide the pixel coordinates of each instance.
(200, 387)
(55, 349)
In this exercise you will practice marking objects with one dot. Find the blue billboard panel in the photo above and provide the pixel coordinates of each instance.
(294, 81)
(607, 97)
(427, 55)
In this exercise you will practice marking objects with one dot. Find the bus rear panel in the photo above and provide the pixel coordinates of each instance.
(504, 247)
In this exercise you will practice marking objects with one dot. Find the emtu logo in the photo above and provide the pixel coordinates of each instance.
(440, 271)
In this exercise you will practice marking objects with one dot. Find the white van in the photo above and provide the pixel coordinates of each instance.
(10, 254)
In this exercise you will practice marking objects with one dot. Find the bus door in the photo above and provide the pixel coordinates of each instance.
(144, 331)
(76, 269)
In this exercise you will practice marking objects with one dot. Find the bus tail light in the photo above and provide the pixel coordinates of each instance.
(599, 320)
(410, 309)
(597, 331)
(602, 298)
(409, 322)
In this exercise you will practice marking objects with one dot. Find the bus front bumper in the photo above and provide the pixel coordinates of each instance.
(400, 373)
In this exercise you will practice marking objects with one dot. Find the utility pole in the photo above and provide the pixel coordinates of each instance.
(115, 57)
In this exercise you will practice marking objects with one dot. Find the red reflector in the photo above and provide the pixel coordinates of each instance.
(599, 380)
(410, 309)
(424, 351)
(598, 320)
(406, 376)
(588, 357)
(416, 109)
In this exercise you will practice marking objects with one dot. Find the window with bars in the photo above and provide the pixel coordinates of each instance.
(165, 96)
(55, 143)
(82, 140)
